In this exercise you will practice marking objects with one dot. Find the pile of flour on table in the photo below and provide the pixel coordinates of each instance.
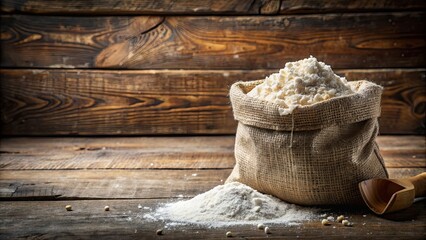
(231, 204)
(301, 83)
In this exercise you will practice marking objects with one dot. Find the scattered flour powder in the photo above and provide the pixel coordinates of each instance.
(231, 204)
(301, 83)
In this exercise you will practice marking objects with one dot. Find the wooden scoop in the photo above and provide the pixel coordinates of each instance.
(390, 195)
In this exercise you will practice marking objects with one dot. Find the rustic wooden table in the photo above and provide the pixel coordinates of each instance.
(39, 176)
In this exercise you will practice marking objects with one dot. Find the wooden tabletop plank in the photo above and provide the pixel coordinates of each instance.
(95, 102)
(126, 159)
(361, 40)
(405, 172)
(156, 159)
(215, 152)
(111, 184)
(154, 143)
(404, 159)
(117, 153)
(177, 143)
(132, 7)
(401, 142)
(48, 219)
(120, 184)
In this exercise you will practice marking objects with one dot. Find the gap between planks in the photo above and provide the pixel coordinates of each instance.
(208, 8)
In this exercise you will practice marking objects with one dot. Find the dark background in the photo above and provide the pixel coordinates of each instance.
(129, 67)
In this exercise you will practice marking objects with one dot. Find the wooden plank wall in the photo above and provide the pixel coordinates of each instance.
(164, 67)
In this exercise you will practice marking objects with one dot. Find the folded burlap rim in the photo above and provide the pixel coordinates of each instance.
(361, 105)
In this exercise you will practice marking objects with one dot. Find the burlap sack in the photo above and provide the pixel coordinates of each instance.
(317, 155)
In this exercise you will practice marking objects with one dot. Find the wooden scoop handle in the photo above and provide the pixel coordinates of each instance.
(419, 183)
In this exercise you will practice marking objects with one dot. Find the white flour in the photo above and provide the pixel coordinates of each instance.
(231, 204)
(301, 83)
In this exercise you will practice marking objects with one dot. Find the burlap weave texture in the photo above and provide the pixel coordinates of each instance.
(315, 156)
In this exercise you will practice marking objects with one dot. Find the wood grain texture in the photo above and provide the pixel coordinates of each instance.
(23, 217)
(403, 100)
(118, 153)
(405, 143)
(404, 172)
(401, 143)
(361, 40)
(116, 102)
(120, 184)
(108, 184)
(150, 167)
(312, 6)
(190, 7)
(48, 220)
(175, 144)
(154, 7)
(95, 102)
(162, 153)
